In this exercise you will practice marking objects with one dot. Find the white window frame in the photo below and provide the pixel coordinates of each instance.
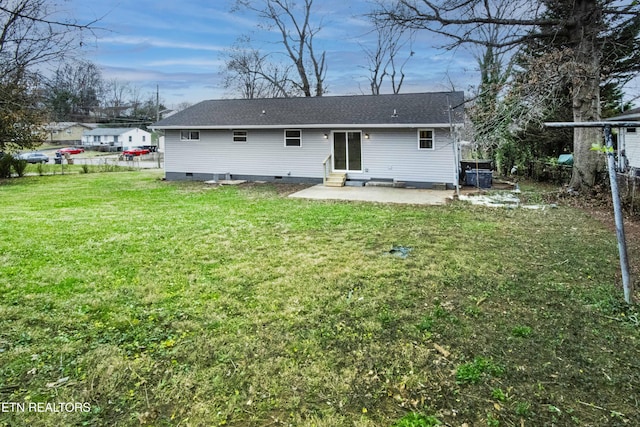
(298, 138)
(433, 139)
(188, 135)
(240, 136)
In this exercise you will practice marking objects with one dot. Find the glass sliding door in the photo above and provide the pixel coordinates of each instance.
(347, 151)
(340, 151)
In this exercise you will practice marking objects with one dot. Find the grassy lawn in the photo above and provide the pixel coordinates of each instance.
(162, 303)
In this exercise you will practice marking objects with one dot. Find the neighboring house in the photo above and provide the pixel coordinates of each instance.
(115, 139)
(67, 133)
(629, 138)
(390, 138)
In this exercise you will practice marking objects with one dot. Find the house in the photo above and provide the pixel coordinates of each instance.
(629, 137)
(67, 133)
(115, 139)
(388, 138)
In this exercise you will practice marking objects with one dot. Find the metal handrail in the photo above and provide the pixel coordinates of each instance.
(324, 169)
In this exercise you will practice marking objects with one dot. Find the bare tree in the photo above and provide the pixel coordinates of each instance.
(28, 35)
(250, 73)
(117, 98)
(293, 21)
(583, 24)
(383, 59)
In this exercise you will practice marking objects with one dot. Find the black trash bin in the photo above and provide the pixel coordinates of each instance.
(481, 178)
(58, 160)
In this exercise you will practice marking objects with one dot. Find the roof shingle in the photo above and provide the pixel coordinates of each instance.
(392, 110)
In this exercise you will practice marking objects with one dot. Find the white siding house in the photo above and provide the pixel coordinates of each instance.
(403, 138)
(629, 138)
(116, 139)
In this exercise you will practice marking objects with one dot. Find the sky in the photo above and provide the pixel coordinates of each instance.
(178, 47)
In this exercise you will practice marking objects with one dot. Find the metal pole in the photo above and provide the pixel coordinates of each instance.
(617, 210)
(456, 160)
(627, 284)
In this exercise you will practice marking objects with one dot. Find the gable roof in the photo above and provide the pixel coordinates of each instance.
(58, 126)
(402, 110)
(633, 114)
(110, 131)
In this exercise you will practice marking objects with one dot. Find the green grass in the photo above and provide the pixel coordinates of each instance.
(161, 303)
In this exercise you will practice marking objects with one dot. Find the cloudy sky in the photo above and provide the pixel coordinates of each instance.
(179, 46)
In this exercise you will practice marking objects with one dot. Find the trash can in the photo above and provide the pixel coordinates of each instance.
(58, 160)
(479, 178)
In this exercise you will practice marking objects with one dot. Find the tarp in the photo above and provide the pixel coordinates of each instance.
(565, 159)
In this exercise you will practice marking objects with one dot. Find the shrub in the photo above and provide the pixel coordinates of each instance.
(6, 161)
(19, 166)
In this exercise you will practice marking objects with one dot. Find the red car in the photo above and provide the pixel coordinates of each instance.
(136, 151)
(70, 150)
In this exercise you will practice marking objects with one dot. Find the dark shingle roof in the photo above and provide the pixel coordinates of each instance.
(633, 114)
(108, 131)
(370, 110)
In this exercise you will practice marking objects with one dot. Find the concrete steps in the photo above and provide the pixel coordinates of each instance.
(336, 179)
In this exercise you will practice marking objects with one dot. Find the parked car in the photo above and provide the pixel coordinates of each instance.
(34, 157)
(135, 151)
(70, 150)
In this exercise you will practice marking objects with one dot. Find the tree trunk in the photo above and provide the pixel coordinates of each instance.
(585, 79)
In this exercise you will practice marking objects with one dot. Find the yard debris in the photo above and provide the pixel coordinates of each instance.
(442, 350)
(400, 251)
(221, 182)
(508, 200)
(58, 383)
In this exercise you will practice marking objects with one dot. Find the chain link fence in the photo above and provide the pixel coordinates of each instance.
(629, 187)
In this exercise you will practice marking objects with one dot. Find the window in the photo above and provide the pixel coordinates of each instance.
(239, 136)
(96, 138)
(425, 139)
(631, 130)
(189, 135)
(130, 138)
(292, 138)
(144, 138)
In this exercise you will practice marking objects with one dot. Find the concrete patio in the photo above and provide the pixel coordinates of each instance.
(408, 196)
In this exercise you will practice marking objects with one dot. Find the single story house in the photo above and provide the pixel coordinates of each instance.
(67, 133)
(115, 139)
(408, 138)
(629, 137)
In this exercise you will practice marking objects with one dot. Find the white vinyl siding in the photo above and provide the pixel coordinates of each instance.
(394, 154)
(265, 155)
(387, 154)
(632, 146)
